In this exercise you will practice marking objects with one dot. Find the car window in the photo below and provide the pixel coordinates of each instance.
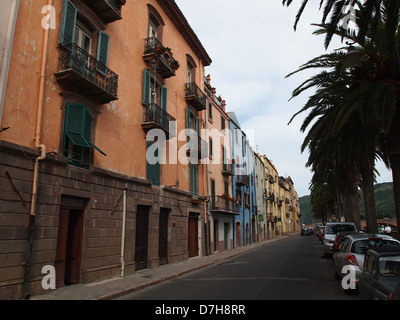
(335, 228)
(344, 245)
(389, 266)
(362, 246)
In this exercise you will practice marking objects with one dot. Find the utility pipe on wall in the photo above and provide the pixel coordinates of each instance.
(42, 148)
(123, 232)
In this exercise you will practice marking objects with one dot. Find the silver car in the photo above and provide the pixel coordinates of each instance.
(331, 229)
(352, 251)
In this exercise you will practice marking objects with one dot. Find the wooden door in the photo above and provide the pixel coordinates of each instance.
(69, 247)
(74, 247)
(226, 236)
(61, 252)
(163, 236)
(238, 235)
(193, 234)
(142, 232)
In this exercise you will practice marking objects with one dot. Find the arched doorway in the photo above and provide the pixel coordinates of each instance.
(238, 235)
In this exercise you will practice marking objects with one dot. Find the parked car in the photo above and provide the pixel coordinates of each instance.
(306, 231)
(353, 248)
(331, 229)
(381, 274)
(339, 237)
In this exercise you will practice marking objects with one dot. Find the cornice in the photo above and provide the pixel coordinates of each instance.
(178, 19)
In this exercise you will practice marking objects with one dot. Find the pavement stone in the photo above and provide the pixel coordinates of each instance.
(117, 287)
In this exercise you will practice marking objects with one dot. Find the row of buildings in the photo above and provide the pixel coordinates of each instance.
(115, 152)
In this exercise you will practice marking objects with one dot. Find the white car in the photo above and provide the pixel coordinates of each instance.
(331, 229)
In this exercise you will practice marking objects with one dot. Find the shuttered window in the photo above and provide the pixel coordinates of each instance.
(152, 93)
(68, 22)
(78, 135)
(154, 170)
(164, 98)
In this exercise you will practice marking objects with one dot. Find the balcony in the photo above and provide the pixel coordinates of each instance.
(195, 97)
(227, 169)
(80, 69)
(243, 180)
(157, 118)
(159, 58)
(107, 10)
(200, 149)
(220, 204)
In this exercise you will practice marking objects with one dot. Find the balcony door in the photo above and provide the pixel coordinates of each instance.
(83, 38)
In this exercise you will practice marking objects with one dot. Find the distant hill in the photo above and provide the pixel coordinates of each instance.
(384, 203)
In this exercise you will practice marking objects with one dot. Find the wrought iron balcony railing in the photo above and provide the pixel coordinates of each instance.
(108, 10)
(243, 179)
(195, 96)
(227, 169)
(78, 67)
(157, 118)
(223, 204)
(159, 58)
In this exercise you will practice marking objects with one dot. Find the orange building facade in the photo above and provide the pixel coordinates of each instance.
(91, 87)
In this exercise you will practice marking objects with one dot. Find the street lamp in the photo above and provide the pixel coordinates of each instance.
(353, 55)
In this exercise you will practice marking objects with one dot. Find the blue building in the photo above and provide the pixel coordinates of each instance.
(243, 184)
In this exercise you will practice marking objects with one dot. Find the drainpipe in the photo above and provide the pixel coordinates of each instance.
(42, 148)
(123, 232)
(207, 198)
(5, 67)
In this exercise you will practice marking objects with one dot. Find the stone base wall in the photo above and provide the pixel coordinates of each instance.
(99, 195)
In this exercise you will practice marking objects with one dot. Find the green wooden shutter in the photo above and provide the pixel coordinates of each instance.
(103, 47)
(154, 170)
(188, 124)
(78, 126)
(222, 123)
(75, 124)
(198, 126)
(146, 88)
(211, 148)
(68, 23)
(164, 98)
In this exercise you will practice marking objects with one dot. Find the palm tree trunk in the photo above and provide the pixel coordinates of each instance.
(367, 172)
(351, 206)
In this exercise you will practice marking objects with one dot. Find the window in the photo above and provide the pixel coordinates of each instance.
(210, 110)
(154, 170)
(153, 92)
(75, 29)
(83, 38)
(211, 149)
(78, 135)
(222, 123)
(192, 122)
(191, 69)
(156, 23)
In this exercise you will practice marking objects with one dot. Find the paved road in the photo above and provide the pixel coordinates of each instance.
(292, 268)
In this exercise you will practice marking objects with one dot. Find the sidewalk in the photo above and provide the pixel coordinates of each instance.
(116, 287)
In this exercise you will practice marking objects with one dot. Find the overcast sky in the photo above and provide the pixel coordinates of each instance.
(253, 47)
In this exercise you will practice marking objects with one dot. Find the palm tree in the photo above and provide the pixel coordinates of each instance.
(375, 85)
